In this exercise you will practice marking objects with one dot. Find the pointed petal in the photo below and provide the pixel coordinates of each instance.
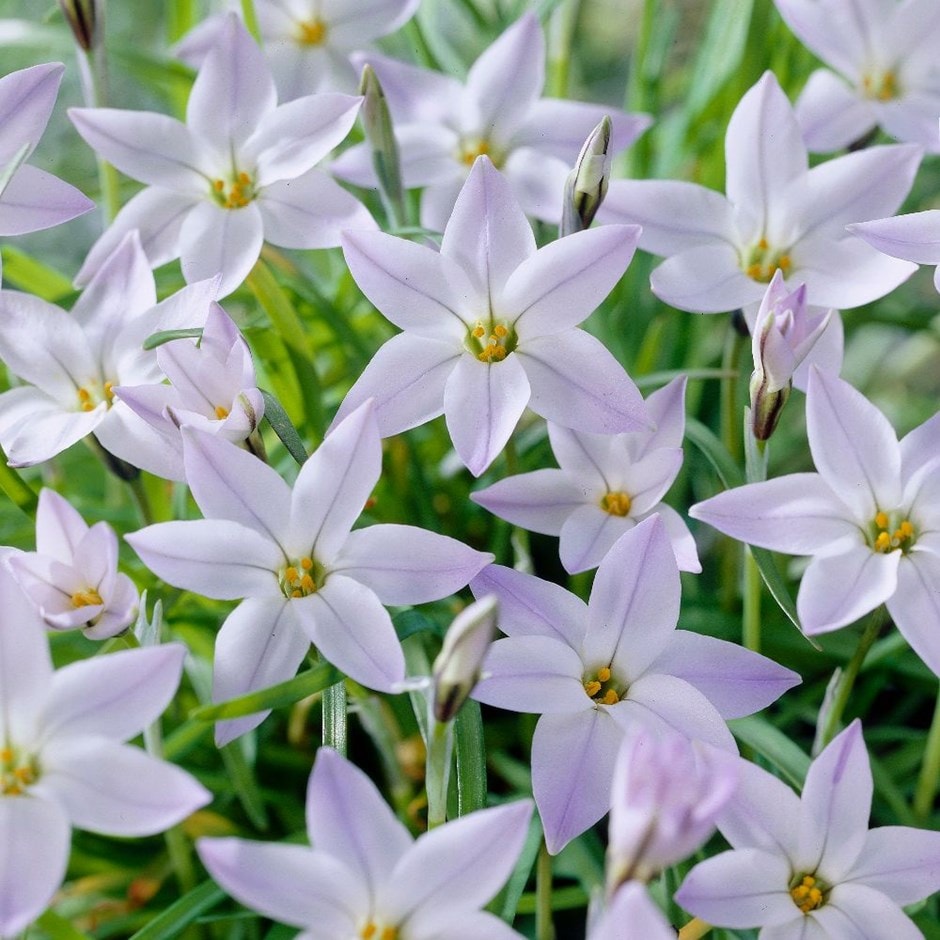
(233, 91)
(735, 680)
(47, 431)
(797, 513)
(583, 456)
(115, 696)
(405, 564)
(488, 234)
(632, 905)
(529, 606)
(855, 910)
(413, 286)
(351, 628)
(459, 866)
(588, 534)
(229, 483)
(482, 405)
(311, 211)
(573, 759)
(666, 406)
(405, 379)
(59, 526)
(915, 605)
(634, 602)
(221, 559)
(913, 237)
(438, 202)
(471, 925)
(674, 216)
(538, 182)
(899, 861)
(117, 790)
(35, 838)
(564, 282)
(837, 32)
(537, 674)
(289, 883)
(124, 433)
(348, 820)
(831, 115)
(705, 279)
(34, 200)
(153, 148)
(539, 501)
(27, 98)
(746, 888)
(334, 484)
(577, 382)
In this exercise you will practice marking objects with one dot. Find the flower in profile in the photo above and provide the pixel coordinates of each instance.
(632, 906)
(913, 237)
(63, 760)
(308, 43)
(30, 198)
(491, 325)
(212, 387)
(785, 333)
(606, 485)
(618, 663)
(240, 171)
(443, 126)
(778, 214)
(809, 866)
(883, 59)
(365, 876)
(870, 517)
(305, 576)
(72, 577)
(73, 361)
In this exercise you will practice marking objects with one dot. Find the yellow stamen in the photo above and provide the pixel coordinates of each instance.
(616, 503)
(221, 413)
(6, 755)
(592, 688)
(290, 573)
(307, 584)
(472, 149)
(883, 542)
(500, 331)
(881, 520)
(311, 32)
(610, 697)
(218, 185)
(807, 895)
(603, 674)
(478, 331)
(889, 534)
(306, 563)
(87, 598)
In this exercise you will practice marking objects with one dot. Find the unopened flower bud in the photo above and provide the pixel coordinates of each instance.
(377, 123)
(457, 668)
(586, 185)
(81, 17)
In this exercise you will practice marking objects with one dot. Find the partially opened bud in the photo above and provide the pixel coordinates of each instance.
(377, 123)
(82, 18)
(457, 668)
(586, 185)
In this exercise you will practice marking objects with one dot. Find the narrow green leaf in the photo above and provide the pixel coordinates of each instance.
(720, 53)
(24, 272)
(506, 903)
(58, 928)
(167, 336)
(777, 586)
(772, 744)
(241, 774)
(20, 492)
(283, 427)
(470, 751)
(715, 452)
(275, 696)
(178, 916)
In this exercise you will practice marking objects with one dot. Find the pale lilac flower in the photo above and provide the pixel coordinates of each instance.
(31, 199)
(63, 762)
(886, 60)
(442, 126)
(490, 325)
(913, 237)
(870, 517)
(365, 876)
(305, 575)
(785, 333)
(666, 796)
(240, 171)
(72, 577)
(810, 867)
(618, 662)
(213, 388)
(722, 251)
(73, 361)
(308, 43)
(631, 915)
(606, 485)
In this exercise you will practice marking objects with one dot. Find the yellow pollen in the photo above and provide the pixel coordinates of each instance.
(592, 688)
(235, 194)
(306, 563)
(299, 578)
(25, 775)
(218, 185)
(311, 32)
(6, 755)
(616, 503)
(470, 150)
(603, 675)
(888, 535)
(784, 263)
(761, 261)
(109, 391)
(762, 244)
(307, 584)
(881, 520)
(499, 331)
(881, 87)
(478, 331)
(290, 573)
(807, 896)
(83, 394)
(221, 413)
(371, 932)
(883, 542)
(600, 687)
(87, 598)
(610, 697)
(368, 932)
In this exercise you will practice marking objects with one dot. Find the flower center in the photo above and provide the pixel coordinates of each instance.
(880, 86)
(311, 32)
(17, 771)
(93, 394)
(472, 147)
(600, 687)
(374, 931)
(760, 262)
(807, 894)
(616, 503)
(221, 412)
(491, 344)
(87, 598)
(234, 193)
(300, 578)
(889, 532)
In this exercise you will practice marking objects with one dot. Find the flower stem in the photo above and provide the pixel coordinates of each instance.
(251, 19)
(694, 929)
(561, 28)
(544, 926)
(830, 719)
(929, 778)
(335, 724)
(437, 773)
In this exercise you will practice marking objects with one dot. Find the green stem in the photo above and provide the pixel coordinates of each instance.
(929, 778)
(251, 19)
(751, 627)
(561, 29)
(141, 500)
(19, 491)
(544, 926)
(335, 717)
(437, 776)
(831, 718)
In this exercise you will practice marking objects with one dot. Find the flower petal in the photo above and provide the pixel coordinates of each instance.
(59, 526)
(854, 910)
(539, 501)
(27, 98)
(913, 237)
(632, 905)
(470, 925)
(837, 32)
(588, 534)
(45, 431)
(34, 200)
(915, 605)
(899, 861)
(705, 279)
(831, 114)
